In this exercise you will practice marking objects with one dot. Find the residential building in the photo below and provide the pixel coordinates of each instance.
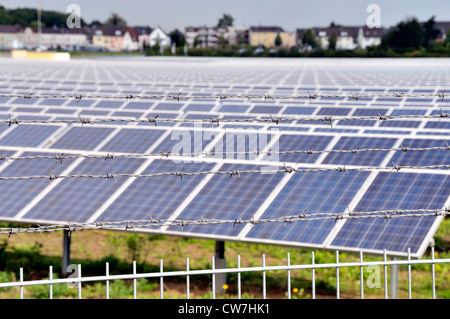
(214, 36)
(11, 37)
(143, 33)
(115, 38)
(368, 37)
(444, 30)
(266, 35)
(204, 36)
(159, 36)
(54, 38)
(347, 37)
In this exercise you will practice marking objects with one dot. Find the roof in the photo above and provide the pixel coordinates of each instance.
(266, 29)
(11, 28)
(338, 30)
(142, 30)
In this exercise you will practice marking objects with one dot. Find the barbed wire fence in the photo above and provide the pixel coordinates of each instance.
(180, 96)
(134, 224)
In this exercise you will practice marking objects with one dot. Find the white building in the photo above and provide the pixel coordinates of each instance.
(159, 36)
(55, 38)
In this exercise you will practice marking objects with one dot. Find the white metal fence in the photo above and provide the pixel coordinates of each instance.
(75, 280)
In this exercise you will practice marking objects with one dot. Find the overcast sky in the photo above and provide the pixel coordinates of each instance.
(288, 14)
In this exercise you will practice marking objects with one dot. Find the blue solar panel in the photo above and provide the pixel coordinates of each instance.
(198, 107)
(53, 102)
(390, 191)
(109, 104)
(16, 194)
(265, 109)
(77, 199)
(234, 108)
(139, 105)
(317, 192)
(185, 141)
(82, 138)
(422, 158)
(240, 141)
(438, 125)
(299, 110)
(293, 142)
(132, 140)
(159, 195)
(28, 135)
(362, 158)
(400, 123)
(225, 197)
(169, 106)
(338, 111)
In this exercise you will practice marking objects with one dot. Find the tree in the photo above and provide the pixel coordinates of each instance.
(407, 35)
(430, 33)
(278, 40)
(95, 23)
(332, 42)
(177, 37)
(225, 21)
(115, 19)
(309, 39)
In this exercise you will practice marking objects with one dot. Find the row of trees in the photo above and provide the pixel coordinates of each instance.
(27, 17)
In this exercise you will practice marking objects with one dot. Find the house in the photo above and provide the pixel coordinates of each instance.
(368, 37)
(11, 37)
(55, 38)
(143, 33)
(204, 36)
(115, 38)
(347, 37)
(266, 36)
(158, 36)
(236, 35)
(214, 36)
(444, 29)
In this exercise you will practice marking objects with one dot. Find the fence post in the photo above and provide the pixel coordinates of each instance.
(361, 271)
(213, 278)
(50, 286)
(264, 275)
(313, 279)
(337, 275)
(21, 281)
(161, 280)
(385, 274)
(288, 276)
(394, 279)
(79, 282)
(107, 281)
(187, 278)
(433, 275)
(409, 274)
(134, 280)
(239, 276)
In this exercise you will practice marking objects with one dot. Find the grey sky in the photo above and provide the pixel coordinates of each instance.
(289, 14)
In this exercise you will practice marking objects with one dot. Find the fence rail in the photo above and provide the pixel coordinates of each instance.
(76, 278)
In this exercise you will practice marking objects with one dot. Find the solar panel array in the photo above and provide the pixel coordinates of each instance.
(258, 196)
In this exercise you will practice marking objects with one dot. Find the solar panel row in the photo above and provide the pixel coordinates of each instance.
(259, 196)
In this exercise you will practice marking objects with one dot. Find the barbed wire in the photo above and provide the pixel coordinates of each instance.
(218, 120)
(231, 173)
(180, 96)
(112, 156)
(133, 225)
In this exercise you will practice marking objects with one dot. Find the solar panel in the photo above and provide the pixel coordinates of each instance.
(254, 141)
